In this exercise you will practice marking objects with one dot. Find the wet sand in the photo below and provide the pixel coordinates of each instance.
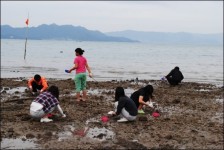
(191, 117)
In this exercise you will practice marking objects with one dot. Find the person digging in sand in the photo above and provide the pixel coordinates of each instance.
(45, 103)
(143, 97)
(124, 106)
(37, 84)
(80, 66)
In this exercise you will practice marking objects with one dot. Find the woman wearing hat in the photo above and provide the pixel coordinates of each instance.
(80, 65)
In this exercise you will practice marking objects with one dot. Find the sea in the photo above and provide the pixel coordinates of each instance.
(112, 60)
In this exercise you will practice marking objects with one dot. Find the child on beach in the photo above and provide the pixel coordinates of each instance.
(142, 97)
(45, 103)
(124, 106)
(80, 78)
(175, 76)
(37, 83)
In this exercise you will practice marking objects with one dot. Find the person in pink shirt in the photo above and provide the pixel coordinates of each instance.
(80, 65)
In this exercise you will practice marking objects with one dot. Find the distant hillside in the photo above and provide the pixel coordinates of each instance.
(172, 38)
(53, 31)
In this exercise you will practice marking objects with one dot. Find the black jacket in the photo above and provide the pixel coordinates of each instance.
(128, 105)
(176, 75)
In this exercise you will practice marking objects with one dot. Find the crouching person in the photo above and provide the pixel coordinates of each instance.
(45, 103)
(37, 84)
(175, 76)
(124, 106)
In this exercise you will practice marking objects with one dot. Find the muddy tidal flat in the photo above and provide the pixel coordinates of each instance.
(191, 117)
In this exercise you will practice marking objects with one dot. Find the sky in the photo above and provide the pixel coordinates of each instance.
(108, 16)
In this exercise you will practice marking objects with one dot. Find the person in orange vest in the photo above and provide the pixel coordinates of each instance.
(37, 84)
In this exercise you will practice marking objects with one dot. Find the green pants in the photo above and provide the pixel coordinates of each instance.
(80, 82)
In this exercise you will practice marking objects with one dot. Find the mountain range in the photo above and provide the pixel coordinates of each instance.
(63, 32)
(170, 38)
(78, 33)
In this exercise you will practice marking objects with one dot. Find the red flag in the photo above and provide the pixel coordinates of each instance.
(27, 21)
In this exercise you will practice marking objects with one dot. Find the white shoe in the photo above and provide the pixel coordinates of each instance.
(45, 120)
(122, 120)
(151, 104)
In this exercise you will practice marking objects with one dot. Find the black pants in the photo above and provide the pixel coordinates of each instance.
(172, 81)
(36, 87)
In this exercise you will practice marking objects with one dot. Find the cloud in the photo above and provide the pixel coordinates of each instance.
(105, 16)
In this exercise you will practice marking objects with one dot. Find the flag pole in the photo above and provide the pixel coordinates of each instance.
(27, 23)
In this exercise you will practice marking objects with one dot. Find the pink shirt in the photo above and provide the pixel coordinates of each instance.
(81, 61)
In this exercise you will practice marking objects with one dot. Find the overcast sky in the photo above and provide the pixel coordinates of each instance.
(107, 16)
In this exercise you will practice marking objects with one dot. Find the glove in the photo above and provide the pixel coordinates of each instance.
(150, 104)
(111, 113)
(63, 116)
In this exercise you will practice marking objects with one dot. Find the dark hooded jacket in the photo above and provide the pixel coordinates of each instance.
(176, 75)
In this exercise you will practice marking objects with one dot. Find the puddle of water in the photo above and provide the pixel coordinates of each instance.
(98, 91)
(9, 93)
(18, 143)
(94, 91)
(100, 134)
(170, 110)
(13, 90)
(94, 120)
(174, 110)
(20, 79)
(203, 90)
(64, 135)
(67, 133)
(91, 91)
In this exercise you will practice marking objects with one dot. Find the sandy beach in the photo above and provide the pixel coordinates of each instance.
(191, 117)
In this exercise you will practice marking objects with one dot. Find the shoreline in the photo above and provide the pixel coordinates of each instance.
(218, 84)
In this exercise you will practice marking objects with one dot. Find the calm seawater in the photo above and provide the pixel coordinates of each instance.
(112, 60)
